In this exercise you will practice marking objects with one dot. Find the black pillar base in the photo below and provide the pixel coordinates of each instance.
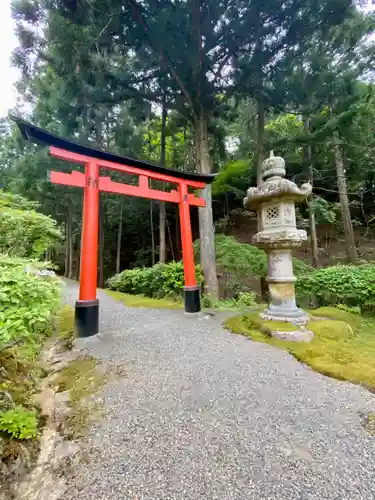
(192, 299)
(87, 318)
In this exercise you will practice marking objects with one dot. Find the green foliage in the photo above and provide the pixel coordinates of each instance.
(349, 285)
(325, 211)
(246, 299)
(233, 178)
(27, 300)
(161, 280)
(352, 310)
(237, 263)
(23, 231)
(243, 300)
(19, 423)
(287, 126)
(235, 257)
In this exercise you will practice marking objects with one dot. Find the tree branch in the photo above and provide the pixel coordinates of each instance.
(163, 56)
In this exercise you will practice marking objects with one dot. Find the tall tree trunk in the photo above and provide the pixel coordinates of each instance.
(69, 241)
(310, 205)
(162, 225)
(152, 234)
(259, 152)
(170, 238)
(177, 232)
(101, 245)
(99, 141)
(162, 210)
(66, 262)
(119, 238)
(78, 270)
(344, 202)
(206, 223)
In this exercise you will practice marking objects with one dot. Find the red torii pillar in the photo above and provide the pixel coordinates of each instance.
(87, 307)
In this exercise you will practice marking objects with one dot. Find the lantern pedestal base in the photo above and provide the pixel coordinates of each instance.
(296, 316)
(87, 318)
(192, 299)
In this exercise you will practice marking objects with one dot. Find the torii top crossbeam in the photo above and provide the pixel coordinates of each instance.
(87, 308)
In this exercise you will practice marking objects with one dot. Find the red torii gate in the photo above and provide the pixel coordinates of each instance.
(87, 307)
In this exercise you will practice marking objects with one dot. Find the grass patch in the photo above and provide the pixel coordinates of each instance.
(343, 347)
(82, 378)
(142, 301)
(207, 302)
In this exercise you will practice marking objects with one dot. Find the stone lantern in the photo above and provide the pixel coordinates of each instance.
(274, 201)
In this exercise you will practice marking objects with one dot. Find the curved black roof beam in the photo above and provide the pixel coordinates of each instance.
(40, 136)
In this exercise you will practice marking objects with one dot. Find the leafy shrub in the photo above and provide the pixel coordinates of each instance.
(348, 285)
(19, 423)
(300, 267)
(234, 256)
(352, 310)
(23, 231)
(244, 300)
(27, 300)
(232, 178)
(159, 281)
(236, 263)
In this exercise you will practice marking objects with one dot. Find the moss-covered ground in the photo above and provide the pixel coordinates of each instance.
(82, 378)
(343, 346)
(169, 303)
(65, 326)
(142, 301)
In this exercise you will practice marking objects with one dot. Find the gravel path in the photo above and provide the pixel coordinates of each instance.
(205, 414)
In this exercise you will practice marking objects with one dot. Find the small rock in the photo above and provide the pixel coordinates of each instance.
(294, 336)
(62, 400)
(64, 454)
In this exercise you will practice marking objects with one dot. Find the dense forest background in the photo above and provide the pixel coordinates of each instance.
(206, 86)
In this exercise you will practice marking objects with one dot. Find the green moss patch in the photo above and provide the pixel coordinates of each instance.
(65, 326)
(142, 301)
(82, 378)
(281, 326)
(331, 329)
(342, 348)
(336, 313)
